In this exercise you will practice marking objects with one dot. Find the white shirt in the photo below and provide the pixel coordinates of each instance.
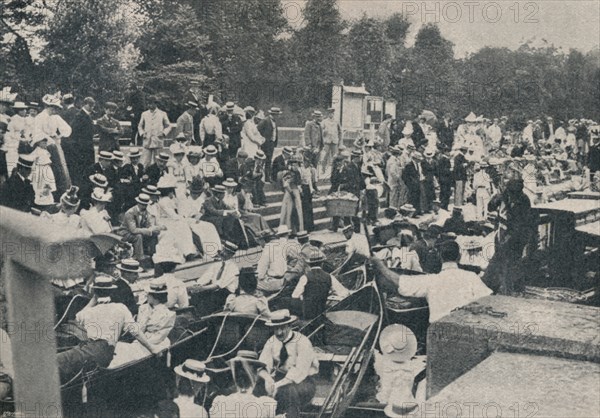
(445, 291)
(251, 138)
(189, 409)
(228, 279)
(332, 132)
(105, 321)
(95, 222)
(301, 363)
(358, 244)
(210, 168)
(51, 124)
(273, 260)
(177, 292)
(210, 125)
(494, 133)
(6, 360)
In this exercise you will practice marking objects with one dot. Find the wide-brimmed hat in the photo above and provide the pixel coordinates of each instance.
(249, 357)
(52, 101)
(70, 197)
(105, 155)
(167, 182)
(357, 153)
(316, 257)
(163, 156)
(177, 148)
(287, 150)
(229, 183)
(143, 199)
(135, 153)
(471, 118)
(407, 208)
(283, 230)
(180, 137)
(104, 282)
(150, 190)
(20, 106)
(99, 195)
(130, 265)
(275, 111)
(249, 109)
(317, 113)
(210, 150)
(398, 343)
(194, 370)
(301, 235)
(260, 155)
(98, 180)
(281, 318)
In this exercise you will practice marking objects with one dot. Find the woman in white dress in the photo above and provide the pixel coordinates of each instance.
(18, 135)
(42, 175)
(96, 219)
(66, 216)
(251, 137)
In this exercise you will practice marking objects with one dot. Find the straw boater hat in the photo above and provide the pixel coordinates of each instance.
(398, 343)
(118, 155)
(348, 228)
(210, 150)
(229, 106)
(229, 247)
(317, 113)
(193, 370)
(283, 230)
(150, 190)
(275, 111)
(260, 155)
(130, 265)
(219, 188)
(249, 109)
(357, 153)
(104, 282)
(191, 103)
(157, 287)
(99, 195)
(98, 180)
(281, 318)
(70, 198)
(163, 156)
(407, 209)
(287, 150)
(105, 155)
(20, 106)
(180, 137)
(143, 199)
(229, 183)
(195, 151)
(316, 257)
(134, 153)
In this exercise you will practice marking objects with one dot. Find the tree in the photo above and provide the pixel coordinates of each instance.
(317, 52)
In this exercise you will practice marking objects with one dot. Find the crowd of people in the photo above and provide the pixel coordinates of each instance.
(200, 195)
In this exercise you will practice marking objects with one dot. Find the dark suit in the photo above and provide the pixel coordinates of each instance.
(88, 187)
(444, 175)
(17, 193)
(79, 148)
(351, 181)
(69, 114)
(233, 169)
(594, 159)
(213, 212)
(279, 164)
(255, 174)
(446, 133)
(232, 127)
(128, 186)
(429, 171)
(547, 131)
(411, 177)
(265, 127)
(418, 135)
(154, 174)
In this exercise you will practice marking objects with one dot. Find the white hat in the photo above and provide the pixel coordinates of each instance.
(167, 181)
(193, 370)
(52, 100)
(177, 148)
(471, 117)
(99, 195)
(398, 343)
(408, 129)
(283, 230)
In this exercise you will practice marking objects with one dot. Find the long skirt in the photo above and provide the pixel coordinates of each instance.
(307, 208)
(208, 237)
(43, 184)
(175, 243)
(59, 167)
(398, 194)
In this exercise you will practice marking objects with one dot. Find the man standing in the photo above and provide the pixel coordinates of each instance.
(444, 176)
(3, 164)
(313, 135)
(351, 181)
(110, 129)
(280, 162)
(69, 110)
(332, 138)
(185, 123)
(268, 129)
(446, 131)
(135, 106)
(153, 128)
(79, 148)
(232, 127)
(549, 129)
(460, 176)
(412, 177)
(384, 131)
(17, 192)
(494, 135)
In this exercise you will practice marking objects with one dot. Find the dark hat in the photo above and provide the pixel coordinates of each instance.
(260, 155)
(130, 265)
(163, 156)
(151, 190)
(248, 271)
(390, 212)
(110, 105)
(143, 199)
(70, 197)
(218, 189)
(197, 185)
(104, 282)
(105, 155)
(99, 180)
(3, 127)
(25, 161)
(229, 247)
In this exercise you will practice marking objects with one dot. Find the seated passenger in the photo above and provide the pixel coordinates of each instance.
(177, 291)
(96, 219)
(272, 265)
(140, 228)
(400, 255)
(67, 215)
(154, 320)
(246, 300)
(104, 322)
(191, 379)
(357, 250)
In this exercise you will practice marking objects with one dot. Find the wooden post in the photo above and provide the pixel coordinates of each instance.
(35, 251)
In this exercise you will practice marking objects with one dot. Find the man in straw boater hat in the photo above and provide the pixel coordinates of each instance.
(104, 322)
(110, 129)
(191, 378)
(216, 211)
(185, 122)
(17, 192)
(130, 178)
(314, 288)
(210, 167)
(218, 281)
(291, 363)
(128, 273)
(243, 403)
(268, 129)
(156, 170)
(154, 126)
(445, 291)
(232, 125)
(141, 229)
(273, 263)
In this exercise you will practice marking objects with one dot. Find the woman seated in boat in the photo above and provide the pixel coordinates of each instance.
(234, 228)
(246, 300)
(178, 234)
(177, 294)
(154, 320)
(243, 403)
(253, 221)
(398, 253)
(96, 219)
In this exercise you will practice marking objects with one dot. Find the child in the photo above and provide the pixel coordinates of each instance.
(42, 175)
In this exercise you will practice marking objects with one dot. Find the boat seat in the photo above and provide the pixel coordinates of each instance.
(326, 356)
(353, 319)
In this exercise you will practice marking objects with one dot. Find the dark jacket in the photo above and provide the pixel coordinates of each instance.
(444, 170)
(460, 168)
(265, 127)
(352, 180)
(154, 174)
(79, 148)
(279, 164)
(17, 193)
